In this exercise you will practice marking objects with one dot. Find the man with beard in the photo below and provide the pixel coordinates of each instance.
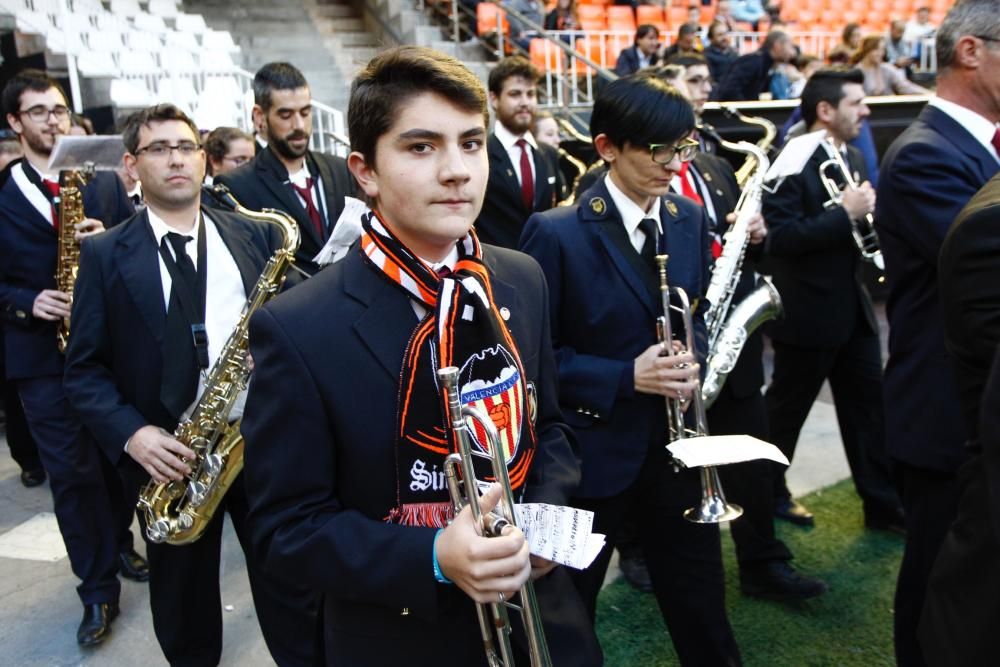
(524, 175)
(286, 175)
(92, 512)
(829, 329)
(134, 370)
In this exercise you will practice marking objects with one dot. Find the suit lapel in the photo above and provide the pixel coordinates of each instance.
(139, 264)
(274, 176)
(241, 246)
(24, 208)
(389, 320)
(543, 189)
(964, 142)
(333, 195)
(503, 167)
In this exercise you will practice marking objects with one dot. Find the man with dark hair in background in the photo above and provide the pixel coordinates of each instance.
(719, 53)
(751, 75)
(93, 513)
(133, 371)
(687, 43)
(928, 174)
(829, 330)
(286, 175)
(598, 260)
(524, 175)
(646, 51)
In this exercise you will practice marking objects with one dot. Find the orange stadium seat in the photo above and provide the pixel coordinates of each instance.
(621, 17)
(650, 14)
(676, 16)
(544, 56)
(592, 17)
(590, 48)
(487, 15)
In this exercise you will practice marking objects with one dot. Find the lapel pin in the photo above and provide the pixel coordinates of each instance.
(505, 313)
(718, 193)
(598, 206)
(707, 177)
(671, 207)
(510, 172)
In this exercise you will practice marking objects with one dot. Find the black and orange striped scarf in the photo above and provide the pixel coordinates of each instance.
(462, 328)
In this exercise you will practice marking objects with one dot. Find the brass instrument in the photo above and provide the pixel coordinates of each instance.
(863, 230)
(713, 507)
(764, 144)
(177, 512)
(729, 327)
(494, 623)
(581, 169)
(71, 213)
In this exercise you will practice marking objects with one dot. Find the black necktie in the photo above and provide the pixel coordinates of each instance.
(179, 384)
(648, 254)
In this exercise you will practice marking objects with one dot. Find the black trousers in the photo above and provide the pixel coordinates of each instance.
(854, 370)
(23, 448)
(684, 559)
(749, 484)
(930, 500)
(187, 604)
(84, 508)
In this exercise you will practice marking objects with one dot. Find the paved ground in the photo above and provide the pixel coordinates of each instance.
(39, 609)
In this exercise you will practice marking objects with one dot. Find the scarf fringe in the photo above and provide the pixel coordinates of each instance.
(433, 515)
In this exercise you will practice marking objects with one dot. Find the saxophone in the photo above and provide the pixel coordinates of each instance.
(177, 512)
(728, 328)
(70, 206)
(744, 173)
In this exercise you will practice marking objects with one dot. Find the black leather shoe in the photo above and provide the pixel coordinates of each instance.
(32, 478)
(634, 570)
(891, 522)
(778, 580)
(96, 623)
(133, 566)
(794, 512)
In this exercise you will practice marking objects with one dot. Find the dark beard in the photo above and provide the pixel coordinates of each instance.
(284, 149)
(514, 126)
(34, 142)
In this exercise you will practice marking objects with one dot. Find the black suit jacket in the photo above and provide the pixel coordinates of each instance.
(628, 61)
(113, 362)
(929, 173)
(263, 183)
(28, 255)
(815, 262)
(320, 429)
(748, 76)
(504, 214)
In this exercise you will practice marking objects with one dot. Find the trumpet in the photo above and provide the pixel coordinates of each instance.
(863, 230)
(713, 507)
(494, 623)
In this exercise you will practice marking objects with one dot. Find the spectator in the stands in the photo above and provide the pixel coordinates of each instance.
(881, 78)
(546, 129)
(760, 71)
(520, 31)
(806, 64)
(564, 16)
(920, 27)
(227, 148)
(724, 14)
(748, 11)
(850, 40)
(898, 51)
(719, 53)
(80, 125)
(10, 148)
(644, 52)
(687, 42)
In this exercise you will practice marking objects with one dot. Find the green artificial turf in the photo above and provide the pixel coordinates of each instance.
(850, 625)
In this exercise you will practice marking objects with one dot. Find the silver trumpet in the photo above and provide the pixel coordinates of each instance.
(494, 623)
(865, 236)
(713, 507)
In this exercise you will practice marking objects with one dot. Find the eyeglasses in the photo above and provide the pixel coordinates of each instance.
(162, 149)
(665, 153)
(237, 159)
(41, 113)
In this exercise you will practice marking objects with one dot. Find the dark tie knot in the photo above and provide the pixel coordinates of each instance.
(648, 227)
(178, 241)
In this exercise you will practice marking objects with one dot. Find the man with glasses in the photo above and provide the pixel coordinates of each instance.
(928, 174)
(286, 175)
(92, 512)
(134, 370)
(598, 260)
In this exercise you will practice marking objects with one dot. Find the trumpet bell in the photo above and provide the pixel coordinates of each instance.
(713, 507)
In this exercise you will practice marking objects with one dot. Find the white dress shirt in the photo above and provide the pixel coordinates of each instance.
(32, 193)
(449, 263)
(978, 126)
(632, 215)
(319, 198)
(509, 142)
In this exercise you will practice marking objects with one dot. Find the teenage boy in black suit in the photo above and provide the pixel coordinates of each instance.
(344, 429)
(133, 372)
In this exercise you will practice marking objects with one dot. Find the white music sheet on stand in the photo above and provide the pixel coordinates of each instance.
(76, 152)
(794, 156)
(559, 534)
(717, 450)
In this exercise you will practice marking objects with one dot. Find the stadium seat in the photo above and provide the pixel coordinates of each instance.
(652, 15)
(125, 7)
(545, 56)
(164, 8)
(621, 17)
(190, 23)
(487, 17)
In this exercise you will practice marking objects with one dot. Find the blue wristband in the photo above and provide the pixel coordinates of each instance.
(438, 574)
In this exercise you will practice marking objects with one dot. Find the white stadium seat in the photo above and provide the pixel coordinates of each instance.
(193, 24)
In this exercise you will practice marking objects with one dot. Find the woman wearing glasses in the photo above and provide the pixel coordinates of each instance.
(227, 148)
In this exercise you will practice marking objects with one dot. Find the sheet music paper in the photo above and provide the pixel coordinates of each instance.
(559, 534)
(794, 156)
(346, 231)
(104, 153)
(717, 450)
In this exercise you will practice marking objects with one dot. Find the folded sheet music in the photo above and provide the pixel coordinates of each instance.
(560, 534)
(101, 152)
(795, 154)
(717, 450)
(346, 231)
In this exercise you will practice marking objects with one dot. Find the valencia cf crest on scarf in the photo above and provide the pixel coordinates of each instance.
(463, 328)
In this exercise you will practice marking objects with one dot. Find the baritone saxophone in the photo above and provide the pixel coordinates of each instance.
(177, 512)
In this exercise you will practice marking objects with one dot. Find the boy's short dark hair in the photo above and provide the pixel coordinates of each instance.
(158, 113)
(641, 110)
(509, 67)
(687, 60)
(29, 79)
(827, 85)
(275, 76)
(394, 77)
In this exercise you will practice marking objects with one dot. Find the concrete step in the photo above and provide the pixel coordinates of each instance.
(335, 11)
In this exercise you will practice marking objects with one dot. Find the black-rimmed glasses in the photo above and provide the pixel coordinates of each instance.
(161, 149)
(664, 153)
